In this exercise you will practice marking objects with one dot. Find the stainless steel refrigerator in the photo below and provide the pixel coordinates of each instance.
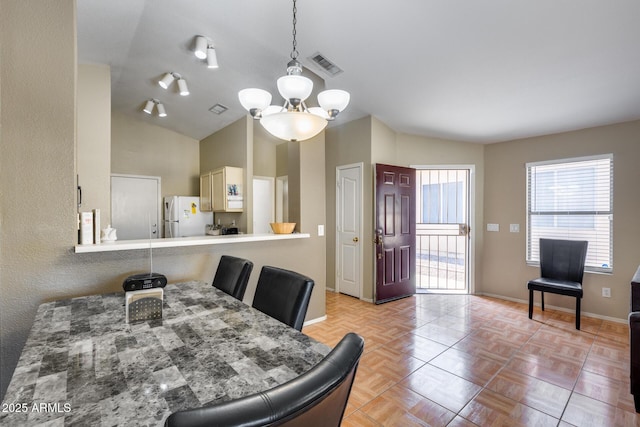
(183, 218)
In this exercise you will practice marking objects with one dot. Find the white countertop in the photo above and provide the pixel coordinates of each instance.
(125, 245)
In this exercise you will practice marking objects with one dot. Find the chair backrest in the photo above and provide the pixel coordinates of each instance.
(283, 295)
(563, 259)
(232, 275)
(316, 398)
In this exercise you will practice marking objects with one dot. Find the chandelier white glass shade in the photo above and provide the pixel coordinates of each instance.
(293, 121)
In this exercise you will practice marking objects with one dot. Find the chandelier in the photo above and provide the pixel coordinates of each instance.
(293, 121)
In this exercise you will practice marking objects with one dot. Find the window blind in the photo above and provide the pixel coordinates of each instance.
(572, 199)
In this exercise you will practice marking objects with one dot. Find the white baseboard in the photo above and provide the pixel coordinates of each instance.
(566, 310)
(316, 320)
(361, 299)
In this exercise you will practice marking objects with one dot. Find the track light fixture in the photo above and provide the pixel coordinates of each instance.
(205, 50)
(201, 47)
(148, 108)
(168, 78)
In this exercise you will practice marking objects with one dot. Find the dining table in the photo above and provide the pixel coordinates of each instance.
(83, 364)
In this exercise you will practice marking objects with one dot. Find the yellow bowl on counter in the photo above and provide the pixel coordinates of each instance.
(283, 227)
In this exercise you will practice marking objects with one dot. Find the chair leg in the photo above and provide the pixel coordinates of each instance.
(542, 300)
(530, 303)
(578, 313)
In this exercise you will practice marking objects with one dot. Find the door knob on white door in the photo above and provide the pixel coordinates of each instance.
(355, 239)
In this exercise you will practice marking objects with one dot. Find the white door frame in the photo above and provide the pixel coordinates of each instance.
(272, 186)
(360, 167)
(472, 218)
(282, 198)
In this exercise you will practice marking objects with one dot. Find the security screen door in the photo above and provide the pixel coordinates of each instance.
(442, 230)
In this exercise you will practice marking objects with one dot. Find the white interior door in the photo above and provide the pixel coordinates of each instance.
(349, 230)
(263, 204)
(135, 206)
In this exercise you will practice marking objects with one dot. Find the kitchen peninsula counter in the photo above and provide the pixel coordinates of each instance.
(125, 245)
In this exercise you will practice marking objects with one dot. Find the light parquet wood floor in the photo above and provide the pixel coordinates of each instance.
(462, 360)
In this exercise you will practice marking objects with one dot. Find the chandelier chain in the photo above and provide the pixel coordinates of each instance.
(294, 52)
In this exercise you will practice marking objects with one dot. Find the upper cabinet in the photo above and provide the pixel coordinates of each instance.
(205, 192)
(221, 190)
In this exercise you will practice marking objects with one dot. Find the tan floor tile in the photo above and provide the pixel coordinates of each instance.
(368, 385)
(442, 387)
(492, 409)
(461, 422)
(587, 412)
(499, 349)
(618, 370)
(401, 404)
(552, 369)
(537, 394)
(359, 419)
(605, 389)
(441, 334)
(417, 346)
(392, 364)
(475, 368)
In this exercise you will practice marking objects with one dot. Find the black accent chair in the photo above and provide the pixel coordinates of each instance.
(283, 295)
(232, 275)
(561, 271)
(316, 398)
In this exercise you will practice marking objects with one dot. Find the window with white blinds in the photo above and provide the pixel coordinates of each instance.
(572, 199)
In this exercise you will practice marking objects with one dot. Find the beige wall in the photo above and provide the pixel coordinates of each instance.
(505, 270)
(282, 159)
(232, 146)
(264, 152)
(347, 144)
(140, 148)
(38, 223)
(93, 149)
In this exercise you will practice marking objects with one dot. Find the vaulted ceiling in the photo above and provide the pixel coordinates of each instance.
(467, 70)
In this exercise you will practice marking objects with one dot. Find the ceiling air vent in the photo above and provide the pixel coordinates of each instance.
(218, 109)
(321, 61)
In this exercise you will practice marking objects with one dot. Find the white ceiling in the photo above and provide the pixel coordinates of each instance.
(468, 70)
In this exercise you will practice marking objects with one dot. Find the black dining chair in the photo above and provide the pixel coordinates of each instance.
(283, 295)
(316, 398)
(232, 275)
(561, 270)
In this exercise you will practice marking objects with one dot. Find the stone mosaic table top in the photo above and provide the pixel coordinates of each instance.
(84, 365)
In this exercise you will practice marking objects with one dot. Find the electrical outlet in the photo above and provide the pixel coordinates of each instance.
(606, 292)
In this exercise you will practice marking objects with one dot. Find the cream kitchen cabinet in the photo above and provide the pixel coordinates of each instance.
(221, 190)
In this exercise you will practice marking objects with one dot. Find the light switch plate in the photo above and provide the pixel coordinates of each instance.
(493, 227)
(320, 230)
(514, 228)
